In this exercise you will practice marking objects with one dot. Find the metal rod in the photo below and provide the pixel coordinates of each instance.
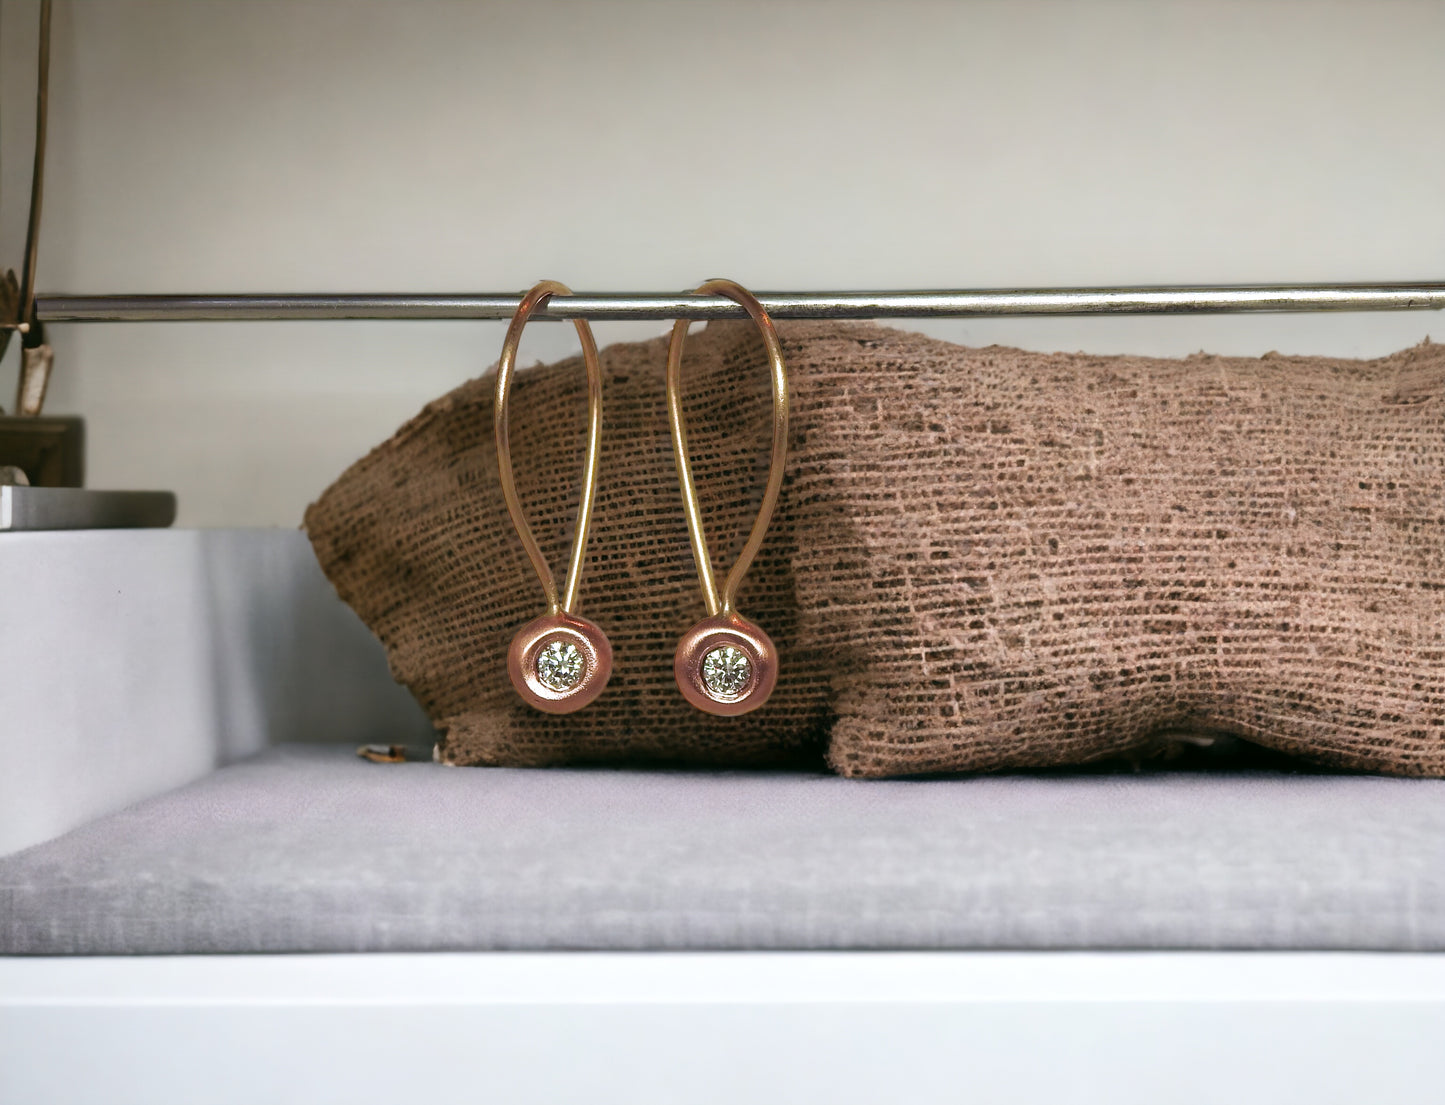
(607, 306)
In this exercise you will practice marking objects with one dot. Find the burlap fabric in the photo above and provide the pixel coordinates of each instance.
(982, 559)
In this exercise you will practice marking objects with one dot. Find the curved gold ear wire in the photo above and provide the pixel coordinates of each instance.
(561, 661)
(725, 664)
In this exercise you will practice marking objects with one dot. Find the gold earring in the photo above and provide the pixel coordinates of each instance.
(561, 661)
(726, 664)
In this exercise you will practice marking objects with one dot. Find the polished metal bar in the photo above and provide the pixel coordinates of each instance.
(608, 306)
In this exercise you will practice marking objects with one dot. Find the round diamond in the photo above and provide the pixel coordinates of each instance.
(726, 671)
(560, 665)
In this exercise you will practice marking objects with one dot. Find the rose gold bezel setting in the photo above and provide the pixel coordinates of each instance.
(536, 635)
(715, 632)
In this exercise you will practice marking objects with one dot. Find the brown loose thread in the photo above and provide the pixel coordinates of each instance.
(982, 558)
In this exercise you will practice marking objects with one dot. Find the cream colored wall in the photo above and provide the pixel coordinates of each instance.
(242, 146)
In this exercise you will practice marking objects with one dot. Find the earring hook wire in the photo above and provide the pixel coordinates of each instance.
(506, 369)
(696, 533)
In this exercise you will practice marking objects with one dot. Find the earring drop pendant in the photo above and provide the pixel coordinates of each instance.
(559, 662)
(726, 665)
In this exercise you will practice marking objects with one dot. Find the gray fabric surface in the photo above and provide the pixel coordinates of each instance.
(311, 849)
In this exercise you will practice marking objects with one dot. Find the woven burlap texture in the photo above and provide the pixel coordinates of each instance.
(982, 558)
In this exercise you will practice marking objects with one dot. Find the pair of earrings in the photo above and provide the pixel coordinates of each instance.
(561, 661)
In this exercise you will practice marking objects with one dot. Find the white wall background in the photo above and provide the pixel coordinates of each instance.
(236, 145)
